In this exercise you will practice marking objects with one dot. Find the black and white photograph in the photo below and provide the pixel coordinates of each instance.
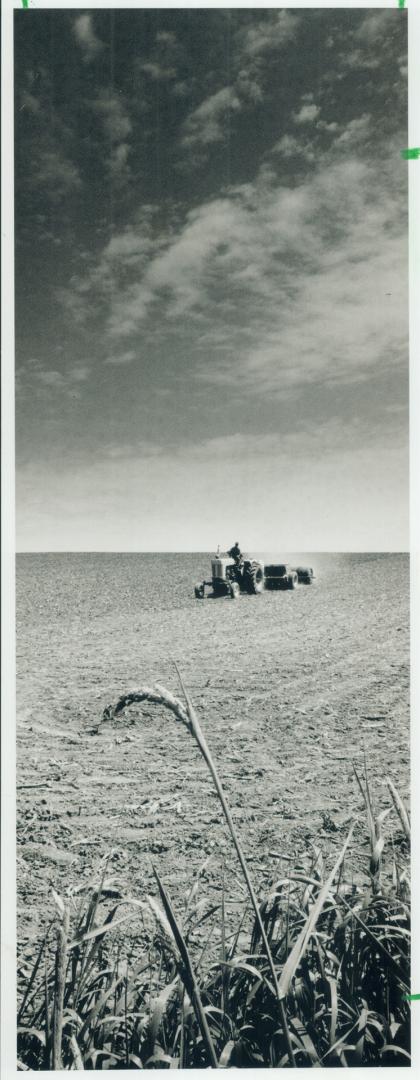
(211, 297)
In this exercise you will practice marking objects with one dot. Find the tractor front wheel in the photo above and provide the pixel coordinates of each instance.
(199, 592)
(234, 590)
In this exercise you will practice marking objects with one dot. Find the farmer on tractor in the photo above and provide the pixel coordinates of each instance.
(233, 572)
(236, 553)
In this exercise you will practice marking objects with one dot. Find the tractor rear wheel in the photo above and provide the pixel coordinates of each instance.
(254, 578)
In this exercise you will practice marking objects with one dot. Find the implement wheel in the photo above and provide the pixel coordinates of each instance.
(305, 575)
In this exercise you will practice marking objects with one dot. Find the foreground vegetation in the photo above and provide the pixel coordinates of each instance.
(322, 981)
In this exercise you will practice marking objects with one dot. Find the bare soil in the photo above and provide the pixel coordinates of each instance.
(292, 689)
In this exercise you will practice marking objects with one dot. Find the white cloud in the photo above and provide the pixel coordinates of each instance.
(307, 114)
(79, 373)
(117, 126)
(339, 327)
(115, 120)
(167, 38)
(53, 169)
(52, 378)
(284, 286)
(375, 26)
(207, 124)
(356, 131)
(358, 58)
(310, 442)
(118, 161)
(180, 267)
(369, 45)
(275, 30)
(348, 138)
(322, 125)
(248, 87)
(86, 37)
(158, 72)
(62, 382)
(131, 246)
(288, 146)
(30, 102)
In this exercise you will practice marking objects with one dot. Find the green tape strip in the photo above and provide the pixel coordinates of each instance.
(411, 997)
(411, 155)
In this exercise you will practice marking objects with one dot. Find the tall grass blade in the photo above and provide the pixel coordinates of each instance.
(301, 944)
(391, 960)
(201, 742)
(191, 984)
(159, 1008)
(400, 808)
(33, 975)
(77, 1057)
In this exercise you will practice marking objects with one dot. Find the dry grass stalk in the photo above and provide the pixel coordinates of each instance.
(60, 981)
(160, 696)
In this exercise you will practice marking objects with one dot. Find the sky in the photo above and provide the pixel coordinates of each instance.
(211, 279)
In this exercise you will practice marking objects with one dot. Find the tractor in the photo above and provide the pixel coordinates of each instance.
(283, 576)
(230, 577)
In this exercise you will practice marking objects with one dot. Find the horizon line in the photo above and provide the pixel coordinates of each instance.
(204, 551)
